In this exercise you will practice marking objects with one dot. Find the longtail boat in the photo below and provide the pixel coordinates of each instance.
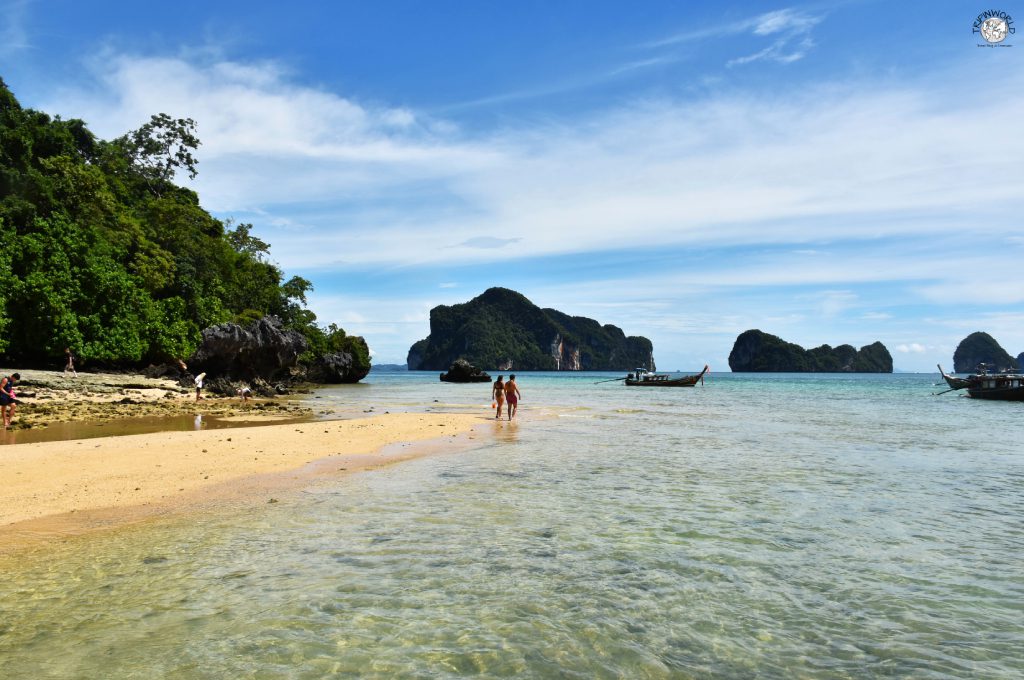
(644, 378)
(1001, 386)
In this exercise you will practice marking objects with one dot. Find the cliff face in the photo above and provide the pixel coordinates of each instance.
(755, 351)
(502, 329)
(982, 348)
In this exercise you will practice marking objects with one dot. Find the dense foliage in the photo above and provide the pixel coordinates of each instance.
(981, 348)
(756, 351)
(501, 327)
(101, 252)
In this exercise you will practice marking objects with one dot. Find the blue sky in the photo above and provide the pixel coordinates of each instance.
(827, 172)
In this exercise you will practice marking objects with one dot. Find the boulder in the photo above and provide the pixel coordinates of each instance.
(340, 367)
(264, 349)
(464, 372)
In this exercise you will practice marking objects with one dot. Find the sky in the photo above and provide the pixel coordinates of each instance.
(839, 173)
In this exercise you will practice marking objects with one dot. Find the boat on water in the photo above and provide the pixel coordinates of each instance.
(644, 378)
(1001, 386)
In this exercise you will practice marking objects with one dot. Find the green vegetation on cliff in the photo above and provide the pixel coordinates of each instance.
(100, 251)
(502, 327)
(756, 351)
(981, 348)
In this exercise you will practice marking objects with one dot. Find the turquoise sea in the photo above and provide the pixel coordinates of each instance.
(770, 526)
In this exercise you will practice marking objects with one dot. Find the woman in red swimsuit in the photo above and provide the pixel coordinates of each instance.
(498, 393)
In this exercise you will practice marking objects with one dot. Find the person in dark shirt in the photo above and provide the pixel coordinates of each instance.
(8, 400)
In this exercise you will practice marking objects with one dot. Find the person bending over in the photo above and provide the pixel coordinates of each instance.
(8, 401)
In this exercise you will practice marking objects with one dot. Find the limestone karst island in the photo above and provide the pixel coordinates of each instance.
(500, 329)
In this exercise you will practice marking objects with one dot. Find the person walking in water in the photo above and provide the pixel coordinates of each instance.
(8, 400)
(512, 396)
(498, 394)
(69, 362)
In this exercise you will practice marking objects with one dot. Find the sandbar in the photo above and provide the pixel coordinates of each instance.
(123, 476)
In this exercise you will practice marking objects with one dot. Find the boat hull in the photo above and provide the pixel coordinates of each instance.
(665, 381)
(996, 393)
(688, 382)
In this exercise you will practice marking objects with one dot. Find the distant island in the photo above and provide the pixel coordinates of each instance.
(501, 329)
(981, 348)
(389, 368)
(758, 352)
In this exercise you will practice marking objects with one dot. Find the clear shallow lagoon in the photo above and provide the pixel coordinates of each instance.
(817, 526)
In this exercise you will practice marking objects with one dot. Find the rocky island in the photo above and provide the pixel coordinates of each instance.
(501, 329)
(981, 348)
(759, 352)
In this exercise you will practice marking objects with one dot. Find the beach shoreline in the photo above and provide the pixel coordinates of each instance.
(58, 489)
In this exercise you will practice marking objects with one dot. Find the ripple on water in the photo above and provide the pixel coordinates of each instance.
(735, 531)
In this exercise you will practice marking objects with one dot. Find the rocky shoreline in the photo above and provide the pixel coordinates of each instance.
(48, 397)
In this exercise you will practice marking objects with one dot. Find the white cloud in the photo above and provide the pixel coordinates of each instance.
(792, 42)
(352, 184)
(912, 348)
(789, 28)
(822, 178)
(784, 21)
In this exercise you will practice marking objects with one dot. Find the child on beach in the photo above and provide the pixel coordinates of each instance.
(199, 386)
(8, 400)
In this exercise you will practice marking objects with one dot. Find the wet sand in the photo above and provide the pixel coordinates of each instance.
(56, 488)
(103, 450)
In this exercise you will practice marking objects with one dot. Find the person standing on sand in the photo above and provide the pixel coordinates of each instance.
(498, 394)
(199, 386)
(7, 398)
(69, 364)
(512, 395)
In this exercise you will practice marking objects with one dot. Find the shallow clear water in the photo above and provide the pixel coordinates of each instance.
(771, 526)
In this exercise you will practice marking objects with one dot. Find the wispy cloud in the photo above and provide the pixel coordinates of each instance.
(791, 32)
(13, 32)
(488, 242)
(789, 29)
(378, 184)
(821, 177)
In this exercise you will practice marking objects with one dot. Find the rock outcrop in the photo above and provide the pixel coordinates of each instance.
(264, 349)
(501, 328)
(981, 348)
(339, 367)
(756, 351)
(461, 371)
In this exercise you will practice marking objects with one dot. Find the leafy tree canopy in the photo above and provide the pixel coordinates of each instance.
(100, 251)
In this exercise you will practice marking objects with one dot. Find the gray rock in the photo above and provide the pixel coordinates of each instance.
(340, 367)
(264, 349)
(464, 372)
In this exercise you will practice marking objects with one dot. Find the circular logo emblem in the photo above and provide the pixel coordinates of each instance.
(994, 30)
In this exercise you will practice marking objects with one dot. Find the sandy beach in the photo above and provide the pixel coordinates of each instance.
(72, 486)
(56, 488)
